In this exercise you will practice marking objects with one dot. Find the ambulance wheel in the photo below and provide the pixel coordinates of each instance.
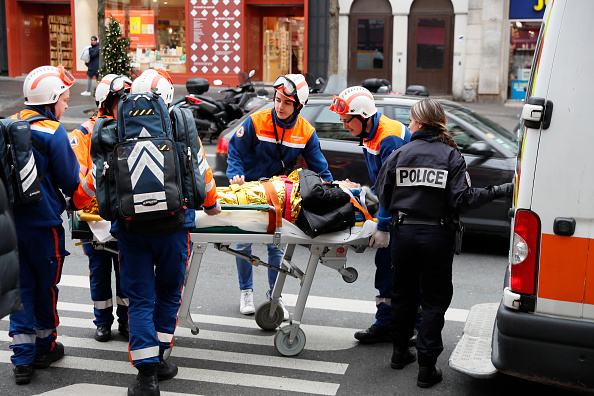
(352, 276)
(282, 345)
(263, 318)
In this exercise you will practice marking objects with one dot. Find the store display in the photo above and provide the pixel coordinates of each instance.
(60, 40)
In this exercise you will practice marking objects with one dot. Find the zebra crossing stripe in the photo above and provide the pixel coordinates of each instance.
(203, 375)
(313, 302)
(98, 390)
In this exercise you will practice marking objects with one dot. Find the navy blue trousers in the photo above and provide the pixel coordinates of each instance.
(422, 255)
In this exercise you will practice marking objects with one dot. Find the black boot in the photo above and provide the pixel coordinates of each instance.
(44, 360)
(165, 370)
(428, 376)
(23, 374)
(103, 333)
(123, 329)
(401, 356)
(147, 383)
(373, 334)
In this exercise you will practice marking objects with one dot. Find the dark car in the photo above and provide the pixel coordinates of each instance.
(488, 148)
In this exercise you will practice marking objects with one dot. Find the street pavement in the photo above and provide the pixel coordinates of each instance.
(80, 108)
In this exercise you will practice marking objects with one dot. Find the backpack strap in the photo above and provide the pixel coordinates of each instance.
(34, 142)
(288, 192)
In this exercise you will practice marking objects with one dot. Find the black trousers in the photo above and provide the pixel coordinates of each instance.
(422, 258)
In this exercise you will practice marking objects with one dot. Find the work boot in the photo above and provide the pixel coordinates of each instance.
(23, 374)
(373, 335)
(123, 329)
(401, 356)
(165, 370)
(103, 333)
(44, 360)
(147, 382)
(428, 376)
(246, 302)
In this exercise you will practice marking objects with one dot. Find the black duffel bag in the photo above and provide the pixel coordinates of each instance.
(324, 206)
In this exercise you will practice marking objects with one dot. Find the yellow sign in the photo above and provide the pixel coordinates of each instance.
(135, 25)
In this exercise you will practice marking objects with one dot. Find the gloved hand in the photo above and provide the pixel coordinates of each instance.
(379, 239)
(505, 190)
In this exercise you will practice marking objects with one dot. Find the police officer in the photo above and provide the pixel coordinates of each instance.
(39, 226)
(379, 136)
(101, 262)
(265, 145)
(425, 185)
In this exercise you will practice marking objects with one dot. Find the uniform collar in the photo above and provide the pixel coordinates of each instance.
(373, 130)
(424, 134)
(41, 109)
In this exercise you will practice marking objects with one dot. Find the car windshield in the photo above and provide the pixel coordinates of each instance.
(490, 128)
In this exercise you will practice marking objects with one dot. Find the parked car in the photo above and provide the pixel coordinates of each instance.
(488, 148)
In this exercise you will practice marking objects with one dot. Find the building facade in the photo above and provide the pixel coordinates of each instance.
(473, 50)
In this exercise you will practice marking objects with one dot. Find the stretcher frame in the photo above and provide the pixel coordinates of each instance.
(289, 339)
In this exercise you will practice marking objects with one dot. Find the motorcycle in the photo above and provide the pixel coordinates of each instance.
(211, 116)
(316, 85)
(241, 94)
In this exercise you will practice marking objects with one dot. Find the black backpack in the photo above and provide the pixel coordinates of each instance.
(18, 169)
(138, 155)
(191, 157)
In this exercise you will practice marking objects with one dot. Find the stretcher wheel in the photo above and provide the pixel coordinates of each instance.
(353, 275)
(263, 318)
(282, 345)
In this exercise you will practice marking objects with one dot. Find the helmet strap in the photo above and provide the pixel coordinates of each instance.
(363, 133)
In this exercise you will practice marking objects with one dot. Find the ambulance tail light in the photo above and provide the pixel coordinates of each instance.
(222, 145)
(524, 252)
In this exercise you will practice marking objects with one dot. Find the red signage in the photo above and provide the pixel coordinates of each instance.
(215, 34)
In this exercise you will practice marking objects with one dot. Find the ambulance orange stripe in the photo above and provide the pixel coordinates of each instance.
(557, 280)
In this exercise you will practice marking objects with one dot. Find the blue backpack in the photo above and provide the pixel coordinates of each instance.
(18, 169)
(140, 158)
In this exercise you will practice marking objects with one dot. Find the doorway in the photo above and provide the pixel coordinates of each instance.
(430, 46)
(371, 41)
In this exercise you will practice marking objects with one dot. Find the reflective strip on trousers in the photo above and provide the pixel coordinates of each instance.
(103, 304)
(387, 301)
(44, 333)
(18, 339)
(145, 353)
(164, 337)
(123, 301)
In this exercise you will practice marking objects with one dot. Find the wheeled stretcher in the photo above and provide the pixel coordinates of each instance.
(249, 226)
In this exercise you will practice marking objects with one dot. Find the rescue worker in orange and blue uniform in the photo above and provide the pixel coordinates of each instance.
(152, 273)
(265, 145)
(101, 262)
(379, 136)
(39, 225)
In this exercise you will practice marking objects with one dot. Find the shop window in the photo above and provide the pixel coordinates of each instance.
(370, 44)
(156, 30)
(523, 38)
(60, 37)
(283, 46)
(430, 43)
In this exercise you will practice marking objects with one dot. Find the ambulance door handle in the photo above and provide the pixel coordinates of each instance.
(548, 113)
(564, 226)
(537, 113)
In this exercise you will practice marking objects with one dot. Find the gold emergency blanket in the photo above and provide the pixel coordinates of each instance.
(92, 208)
(253, 193)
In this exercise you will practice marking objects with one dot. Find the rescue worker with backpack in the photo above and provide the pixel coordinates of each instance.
(265, 145)
(39, 225)
(101, 262)
(152, 268)
(379, 136)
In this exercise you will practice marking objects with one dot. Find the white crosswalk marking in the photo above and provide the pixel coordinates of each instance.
(98, 390)
(313, 302)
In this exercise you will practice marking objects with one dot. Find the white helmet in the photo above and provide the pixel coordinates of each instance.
(45, 84)
(103, 89)
(155, 78)
(354, 101)
(293, 86)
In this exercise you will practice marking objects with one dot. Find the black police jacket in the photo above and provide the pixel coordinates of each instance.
(10, 300)
(428, 178)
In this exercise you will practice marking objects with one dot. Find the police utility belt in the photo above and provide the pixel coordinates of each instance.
(404, 219)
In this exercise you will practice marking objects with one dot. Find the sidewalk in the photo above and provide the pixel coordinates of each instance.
(80, 108)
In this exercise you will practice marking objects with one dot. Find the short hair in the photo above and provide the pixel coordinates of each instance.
(94, 37)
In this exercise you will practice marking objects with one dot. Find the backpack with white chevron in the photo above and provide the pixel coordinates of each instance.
(140, 157)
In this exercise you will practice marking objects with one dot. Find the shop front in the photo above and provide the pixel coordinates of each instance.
(214, 39)
(525, 18)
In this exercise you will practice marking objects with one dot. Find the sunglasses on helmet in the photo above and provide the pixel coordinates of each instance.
(120, 83)
(65, 76)
(339, 105)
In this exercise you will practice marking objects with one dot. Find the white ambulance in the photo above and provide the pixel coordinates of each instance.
(543, 329)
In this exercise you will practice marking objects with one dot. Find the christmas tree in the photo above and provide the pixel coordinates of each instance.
(114, 50)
